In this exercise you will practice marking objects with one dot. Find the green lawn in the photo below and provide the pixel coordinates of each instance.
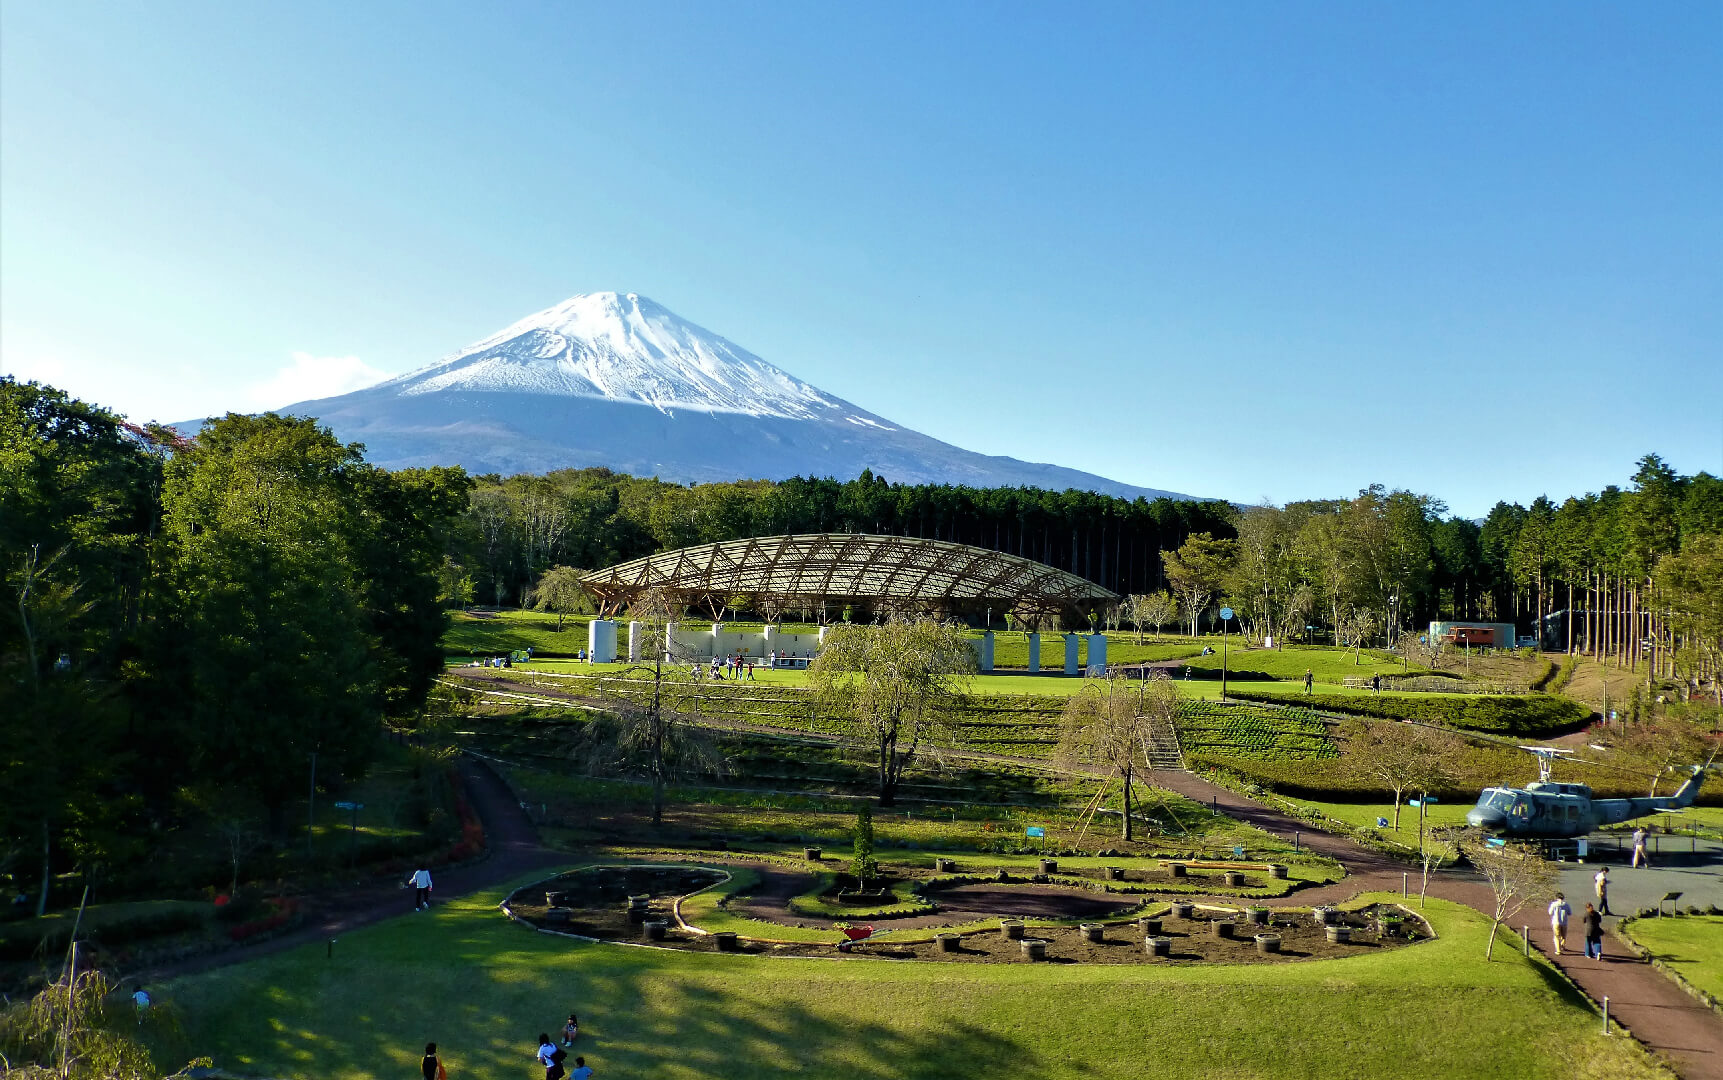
(1691, 945)
(1364, 815)
(483, 989)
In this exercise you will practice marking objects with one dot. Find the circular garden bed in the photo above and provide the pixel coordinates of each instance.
(986, 917)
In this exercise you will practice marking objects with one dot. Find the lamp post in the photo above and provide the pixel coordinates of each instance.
(1225, 617)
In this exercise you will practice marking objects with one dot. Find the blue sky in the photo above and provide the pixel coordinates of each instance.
(1242, 250)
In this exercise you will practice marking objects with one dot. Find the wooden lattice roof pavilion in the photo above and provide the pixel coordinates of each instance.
(869, 574)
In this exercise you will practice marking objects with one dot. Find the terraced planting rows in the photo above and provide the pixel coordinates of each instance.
(1209, 727)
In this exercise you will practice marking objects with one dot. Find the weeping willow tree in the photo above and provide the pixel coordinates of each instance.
(1108, 725)
(897, 683)
(80, 1028)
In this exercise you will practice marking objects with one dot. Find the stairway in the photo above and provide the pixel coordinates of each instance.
(1162, 749)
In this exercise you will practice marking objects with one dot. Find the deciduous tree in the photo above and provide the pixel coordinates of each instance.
(897, 683)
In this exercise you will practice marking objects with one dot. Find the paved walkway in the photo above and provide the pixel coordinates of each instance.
(1642, 998)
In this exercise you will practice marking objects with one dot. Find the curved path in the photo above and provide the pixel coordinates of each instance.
(1649, 1004)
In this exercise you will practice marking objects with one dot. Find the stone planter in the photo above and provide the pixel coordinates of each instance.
(948, 942)
(1176, 869)
(1221, 928)
(1034, 948)
(1339, 935)
(1093, 932)
(637, 909)
(1012, 929)
(1149, 927)
(1158, 946)
(1049, 866)
(1277, 872)
(1233, 879)
(869, 896)
(1267, 943)
(945, 866)
(1326, 916)
(1258, 915)
(655, 929)
(725, 941)
(1183, 911)
(812, 854)
(1115, 873)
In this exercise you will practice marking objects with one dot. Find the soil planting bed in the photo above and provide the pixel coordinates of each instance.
(595, 902)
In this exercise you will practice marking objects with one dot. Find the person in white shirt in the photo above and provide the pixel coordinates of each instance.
(1601, 882)
(551, 1058)
(1639, 854)
(1559, 913)
(421, 883)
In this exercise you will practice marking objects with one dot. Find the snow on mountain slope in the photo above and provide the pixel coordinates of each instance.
(624, 347)
(615, 380)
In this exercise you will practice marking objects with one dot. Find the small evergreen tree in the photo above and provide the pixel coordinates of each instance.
(863, 867)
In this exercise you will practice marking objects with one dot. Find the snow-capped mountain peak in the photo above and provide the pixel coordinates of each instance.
(623, 347)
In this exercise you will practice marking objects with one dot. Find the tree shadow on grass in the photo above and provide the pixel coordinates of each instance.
(651, 1019)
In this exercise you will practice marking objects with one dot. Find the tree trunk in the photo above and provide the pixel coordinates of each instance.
(47, 867)
(1126, 831)
(1490, 947)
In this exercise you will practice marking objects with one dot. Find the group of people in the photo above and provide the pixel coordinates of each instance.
(1561, 911)
(550, 1054)
(740, 667)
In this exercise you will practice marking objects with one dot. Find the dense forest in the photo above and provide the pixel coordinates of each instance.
(1374, 564)
(187, 622)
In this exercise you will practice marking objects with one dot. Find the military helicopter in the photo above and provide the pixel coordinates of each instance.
(1547, 810)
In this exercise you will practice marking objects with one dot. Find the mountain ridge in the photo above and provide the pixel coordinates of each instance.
(618, 380)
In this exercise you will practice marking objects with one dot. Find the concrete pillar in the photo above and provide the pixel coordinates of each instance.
(983, 647)
(1034, 652)
(636, 636)
(1098, 651)
(1071, 655)
(769, 640)
(671, 652)
(601, 641)
(824, 630)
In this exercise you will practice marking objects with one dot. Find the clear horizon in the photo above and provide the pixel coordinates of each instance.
(1236, 252)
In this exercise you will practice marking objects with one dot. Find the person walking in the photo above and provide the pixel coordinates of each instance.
(421, 883)
(1593, 933)
(550, 1056)
(1601, 883)
(1309, 680)
(1560, 911)
(1639, 854)
(431, 1066)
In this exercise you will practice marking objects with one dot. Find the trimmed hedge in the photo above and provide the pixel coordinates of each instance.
(1531, 716)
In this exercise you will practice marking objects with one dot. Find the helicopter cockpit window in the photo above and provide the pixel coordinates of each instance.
(1501, 800)
(1521, 810)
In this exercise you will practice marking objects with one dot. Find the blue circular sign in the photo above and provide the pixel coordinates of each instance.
(1226, 613)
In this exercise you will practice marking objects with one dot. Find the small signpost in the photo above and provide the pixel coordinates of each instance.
(1225, 617)
(1037, 830)
(1422, 803)
(353, 847)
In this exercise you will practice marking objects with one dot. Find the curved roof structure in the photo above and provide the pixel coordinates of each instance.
(864, 572)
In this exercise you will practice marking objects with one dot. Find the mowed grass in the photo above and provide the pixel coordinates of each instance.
(483, 988)
(1691, 945)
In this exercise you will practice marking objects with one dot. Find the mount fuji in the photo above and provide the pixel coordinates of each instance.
(613, 379)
